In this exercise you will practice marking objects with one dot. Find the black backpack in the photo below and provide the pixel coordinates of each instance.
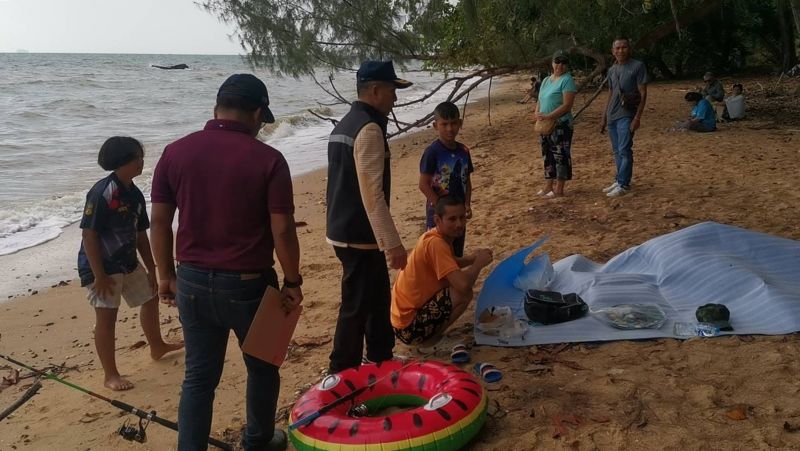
(551, 307)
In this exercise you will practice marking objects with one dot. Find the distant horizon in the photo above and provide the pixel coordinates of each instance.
(28, 52)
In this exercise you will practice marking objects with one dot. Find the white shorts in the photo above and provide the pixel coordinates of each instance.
(134, 287)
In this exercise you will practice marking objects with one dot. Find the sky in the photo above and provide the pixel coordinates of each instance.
(113, 26)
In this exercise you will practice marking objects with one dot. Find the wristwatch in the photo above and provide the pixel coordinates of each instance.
(298, 284)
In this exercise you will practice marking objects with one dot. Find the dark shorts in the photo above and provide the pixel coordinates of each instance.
(557, 153)
(429, 320)
(699, 127)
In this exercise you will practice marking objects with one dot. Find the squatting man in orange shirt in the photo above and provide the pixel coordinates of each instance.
(435, 287)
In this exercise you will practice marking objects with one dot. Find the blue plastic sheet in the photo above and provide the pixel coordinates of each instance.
(757, 276)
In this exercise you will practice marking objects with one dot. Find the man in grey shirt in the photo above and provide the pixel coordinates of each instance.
(713, 90)
(627, 94)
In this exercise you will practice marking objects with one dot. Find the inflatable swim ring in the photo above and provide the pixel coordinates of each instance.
(449, 408)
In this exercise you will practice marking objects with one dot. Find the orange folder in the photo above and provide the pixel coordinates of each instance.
(271, 329)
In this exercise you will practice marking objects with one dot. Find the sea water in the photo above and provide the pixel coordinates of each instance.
(57, 109)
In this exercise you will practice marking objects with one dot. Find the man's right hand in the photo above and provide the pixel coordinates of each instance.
(396, 257)
(292, 297)
(103, 286)
(603, 124)
(166, 291)
(483, 257)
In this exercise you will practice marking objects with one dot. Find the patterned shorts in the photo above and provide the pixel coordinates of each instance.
(557, 153)
(429, 320)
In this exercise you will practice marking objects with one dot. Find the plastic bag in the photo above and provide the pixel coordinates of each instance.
(632, 316)
(493, 320)
(536, 274)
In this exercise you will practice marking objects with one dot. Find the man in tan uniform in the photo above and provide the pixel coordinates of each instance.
(359, 225)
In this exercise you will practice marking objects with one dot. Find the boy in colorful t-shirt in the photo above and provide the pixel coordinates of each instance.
(445, 167)
(114, 227)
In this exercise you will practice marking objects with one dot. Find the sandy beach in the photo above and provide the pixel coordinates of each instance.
(725, 393)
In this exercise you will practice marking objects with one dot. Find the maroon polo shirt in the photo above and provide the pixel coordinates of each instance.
(225, 184)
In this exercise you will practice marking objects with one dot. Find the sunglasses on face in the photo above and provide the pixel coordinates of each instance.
(560, 61)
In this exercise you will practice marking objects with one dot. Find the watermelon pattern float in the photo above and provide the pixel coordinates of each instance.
(447, 409)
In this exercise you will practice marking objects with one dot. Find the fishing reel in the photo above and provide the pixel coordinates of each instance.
(131, 433)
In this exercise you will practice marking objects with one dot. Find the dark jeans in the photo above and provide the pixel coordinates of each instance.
(210, 304)
(364, 312)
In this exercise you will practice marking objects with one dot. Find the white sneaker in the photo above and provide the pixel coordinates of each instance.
(617, 192)
(610, 188)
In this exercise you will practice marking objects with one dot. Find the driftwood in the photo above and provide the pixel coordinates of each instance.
(22, 400)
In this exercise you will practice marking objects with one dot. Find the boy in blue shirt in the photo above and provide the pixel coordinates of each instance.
(114, 227)
(703, 118)
(445, 167)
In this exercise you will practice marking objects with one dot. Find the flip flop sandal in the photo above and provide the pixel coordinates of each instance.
(459, 354)
(488, 372)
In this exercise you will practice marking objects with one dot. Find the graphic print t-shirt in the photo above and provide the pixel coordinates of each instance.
(450, 168)
(117, 214)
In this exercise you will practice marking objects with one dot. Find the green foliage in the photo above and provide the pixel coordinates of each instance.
(297, 37)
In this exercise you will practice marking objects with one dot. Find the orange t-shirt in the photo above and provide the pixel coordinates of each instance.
(425, 274)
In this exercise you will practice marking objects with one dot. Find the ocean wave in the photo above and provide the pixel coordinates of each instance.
(31, 224)
(38, 81)
(32, 115)
(69, 103)
(289, 125)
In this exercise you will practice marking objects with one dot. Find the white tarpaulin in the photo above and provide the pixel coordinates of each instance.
(757, 276)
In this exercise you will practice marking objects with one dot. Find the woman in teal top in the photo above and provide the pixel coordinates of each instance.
(556, 96)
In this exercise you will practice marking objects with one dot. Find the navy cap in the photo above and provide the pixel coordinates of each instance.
(380, 71)
(251, 88)
(561, 56)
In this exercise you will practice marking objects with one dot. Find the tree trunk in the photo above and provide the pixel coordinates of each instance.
(663, 68)
(788, 52)
(684, 20)
(796, 14)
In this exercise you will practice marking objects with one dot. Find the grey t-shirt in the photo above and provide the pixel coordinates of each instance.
(627, 76)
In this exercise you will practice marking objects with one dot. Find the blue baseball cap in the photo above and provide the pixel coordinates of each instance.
(380, 71)
(251, 88)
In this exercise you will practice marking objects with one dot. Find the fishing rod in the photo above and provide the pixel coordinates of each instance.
(127, 431)
(338, 401)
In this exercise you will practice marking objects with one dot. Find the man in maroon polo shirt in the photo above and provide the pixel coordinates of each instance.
(233, 194)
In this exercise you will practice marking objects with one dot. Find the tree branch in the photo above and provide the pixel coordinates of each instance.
(22, 400)
(695, 14)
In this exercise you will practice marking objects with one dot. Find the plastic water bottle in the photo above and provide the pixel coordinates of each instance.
(696, 330)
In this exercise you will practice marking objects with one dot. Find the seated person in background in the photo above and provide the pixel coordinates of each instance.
(713, 90)
(435, 287)
(532, 93)
(734, 104)
(703, 118)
